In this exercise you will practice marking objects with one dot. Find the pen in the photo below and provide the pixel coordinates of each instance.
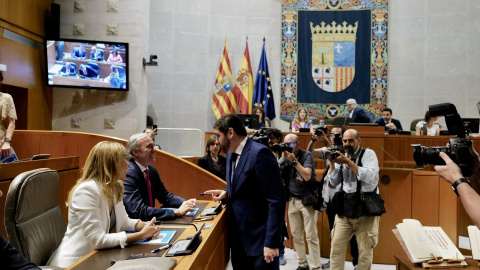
(203, 194)
(161, 248)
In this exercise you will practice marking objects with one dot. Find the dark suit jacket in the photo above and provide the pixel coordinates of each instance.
(78, 54)
(72, 70)
(360, 115)
(91, 73)
(256, 201)
(136, 195)
(97, 56)
(206, 162)
(381, 122)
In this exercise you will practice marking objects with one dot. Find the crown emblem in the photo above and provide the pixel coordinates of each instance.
(334, 32)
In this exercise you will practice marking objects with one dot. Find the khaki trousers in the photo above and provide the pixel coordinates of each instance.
(366, 231)
(304, 218)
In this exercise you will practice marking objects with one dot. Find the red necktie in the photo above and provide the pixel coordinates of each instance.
(147, 178)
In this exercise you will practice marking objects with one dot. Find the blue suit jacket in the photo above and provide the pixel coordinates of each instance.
(381, 122)
(136, 195)
(256, 201)
(360, 115)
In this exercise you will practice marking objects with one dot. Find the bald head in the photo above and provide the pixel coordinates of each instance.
(351, 141)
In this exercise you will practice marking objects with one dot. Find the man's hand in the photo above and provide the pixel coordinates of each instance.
(186, 207)
(391, 125)
(270, 253)
(451, 172)
(217, 194)
(341, 159)
(289, 156)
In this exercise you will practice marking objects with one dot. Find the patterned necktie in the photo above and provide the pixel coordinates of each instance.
(147, 178)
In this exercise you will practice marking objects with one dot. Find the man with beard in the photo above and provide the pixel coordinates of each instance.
(361, 164)
(255, 197)
(328, 190)
(143, 185)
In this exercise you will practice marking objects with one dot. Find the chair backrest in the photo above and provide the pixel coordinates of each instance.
(94, 67)
(33, 219)
(121, 72)
(342, 121)
(414, 124)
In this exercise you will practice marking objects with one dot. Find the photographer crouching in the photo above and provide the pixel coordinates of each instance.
(298, 170)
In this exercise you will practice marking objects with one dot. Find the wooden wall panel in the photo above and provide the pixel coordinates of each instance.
(25, 64)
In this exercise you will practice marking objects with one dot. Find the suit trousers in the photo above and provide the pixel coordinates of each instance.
(304, 218)
(366, 231)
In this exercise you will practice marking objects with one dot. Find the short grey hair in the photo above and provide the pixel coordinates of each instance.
(352, 101)
(132, 143)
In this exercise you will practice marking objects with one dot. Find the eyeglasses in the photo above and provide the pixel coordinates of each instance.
(292, 144)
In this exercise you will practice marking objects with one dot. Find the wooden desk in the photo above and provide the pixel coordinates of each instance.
(403, 263)
(103, 66)
(212, 253)
(61, 80)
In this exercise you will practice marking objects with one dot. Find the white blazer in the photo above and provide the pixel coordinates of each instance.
(88, 226)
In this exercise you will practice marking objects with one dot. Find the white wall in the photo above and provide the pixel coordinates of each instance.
(432, 59)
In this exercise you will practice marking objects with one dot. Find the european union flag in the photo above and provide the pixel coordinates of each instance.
(262, 93)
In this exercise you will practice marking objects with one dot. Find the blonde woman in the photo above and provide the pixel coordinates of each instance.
(96, 216)
(301, 121)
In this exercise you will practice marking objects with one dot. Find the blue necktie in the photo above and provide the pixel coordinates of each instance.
(232, 166)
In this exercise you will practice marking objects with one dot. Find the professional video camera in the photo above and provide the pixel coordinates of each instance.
(260, 136)
(280, 147)
(337, 146)
(459, 148)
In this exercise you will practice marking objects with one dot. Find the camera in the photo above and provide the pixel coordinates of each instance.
(459, 148)
(337, 146)
(280, 147)
(321, 129)
(260, 136)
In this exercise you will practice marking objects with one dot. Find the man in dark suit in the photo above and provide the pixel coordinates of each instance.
(68, 69)
(143, 185)
(358, 114)
(87, 71)
(255, 197)
(80, 52)
(388, 122)
(96, 54)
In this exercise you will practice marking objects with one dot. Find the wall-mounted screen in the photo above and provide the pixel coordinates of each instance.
(87, 64)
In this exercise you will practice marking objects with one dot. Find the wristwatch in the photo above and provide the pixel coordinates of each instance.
(458, 182)
(5, 139)
(294, 163)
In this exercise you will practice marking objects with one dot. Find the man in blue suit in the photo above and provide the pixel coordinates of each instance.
(358, 114)
(255, 197)
(388, 122)
(143, 185)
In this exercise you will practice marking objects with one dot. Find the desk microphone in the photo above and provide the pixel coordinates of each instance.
(401, 165)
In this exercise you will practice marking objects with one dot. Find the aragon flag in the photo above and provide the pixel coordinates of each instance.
(223, 99)
(243, 90)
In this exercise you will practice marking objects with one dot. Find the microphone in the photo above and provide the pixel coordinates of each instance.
(401, 165)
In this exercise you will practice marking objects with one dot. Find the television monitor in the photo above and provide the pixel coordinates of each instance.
(86, 64)
(250, 120)
(471, 124)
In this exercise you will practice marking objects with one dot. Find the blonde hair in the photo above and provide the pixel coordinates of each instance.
(297, 116)
(102, 165)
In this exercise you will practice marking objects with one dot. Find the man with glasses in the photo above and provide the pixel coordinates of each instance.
(328, 190)
(298, 165)
(358, 114)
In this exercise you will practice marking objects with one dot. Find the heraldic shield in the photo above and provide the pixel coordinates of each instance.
(333, 55)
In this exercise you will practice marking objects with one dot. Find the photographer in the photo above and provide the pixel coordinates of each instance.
(453, 175)
(298, 169)
(360, 165)
(328, 191)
